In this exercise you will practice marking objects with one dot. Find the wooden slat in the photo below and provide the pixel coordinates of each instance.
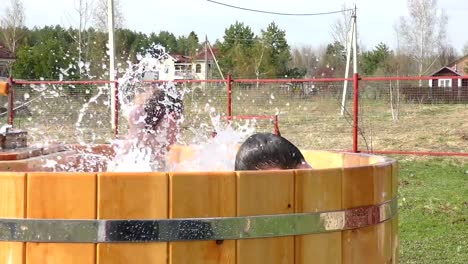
(395, 169)
(371, 244)
(27, 164)
(318, 190)
(173, 156)
(363, 186)
(260, 193)
(323, 159)
(376, 159)
(12, 204)
(4, 88)
(16, 165)
(202, 195)
(358, 186)
(354, 160)
(61, 196)
(132, 196)
(395, 236)
(395, 240)
(382, 182)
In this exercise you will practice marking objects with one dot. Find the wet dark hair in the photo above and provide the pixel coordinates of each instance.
(265, 150)
(161, 103)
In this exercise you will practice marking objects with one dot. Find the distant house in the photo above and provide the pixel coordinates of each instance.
(181, 67)
(454, 72)
(453, 78)
(451, 86)
(204, 69)
(6, 59)
(175, 67)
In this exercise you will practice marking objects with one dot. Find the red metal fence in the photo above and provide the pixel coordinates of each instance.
(61, 111)
(391, 115)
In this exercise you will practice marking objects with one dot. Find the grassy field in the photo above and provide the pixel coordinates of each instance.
(433, 210)
(315, 121)
(309, 121)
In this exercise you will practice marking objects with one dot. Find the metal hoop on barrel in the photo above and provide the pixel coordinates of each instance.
(186, 229)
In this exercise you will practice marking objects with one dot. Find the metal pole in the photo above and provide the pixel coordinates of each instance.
(206, 58)
(110, 26)
(355, 67)
(116, 109)
(275, 124)
(356, 87)
(11, 98)
(229, 109)
(355, 111)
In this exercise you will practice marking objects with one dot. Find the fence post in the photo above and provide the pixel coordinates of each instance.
(228, 87)
(11, 98)
(275, 124)
(116, 108)
(355, 111)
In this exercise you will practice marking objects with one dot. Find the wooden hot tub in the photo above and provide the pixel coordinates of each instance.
(342, 211)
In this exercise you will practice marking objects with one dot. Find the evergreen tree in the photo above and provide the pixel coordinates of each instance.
(236, 51)
(278, 53)
(376, 60)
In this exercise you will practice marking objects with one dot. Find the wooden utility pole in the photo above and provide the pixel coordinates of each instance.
(206, 57)
(110, 27)
(351, 44)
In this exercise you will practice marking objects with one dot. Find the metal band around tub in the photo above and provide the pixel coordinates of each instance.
(183, 229)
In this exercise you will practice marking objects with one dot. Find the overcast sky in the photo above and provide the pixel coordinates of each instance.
(376, 18)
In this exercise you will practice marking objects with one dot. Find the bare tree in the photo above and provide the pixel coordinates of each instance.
(100, 15)
(260, 49)
(304, 57)
(465, 49)
(423, 33)
(11, 23)
(83, 9)
(447, 55)
(341, 27)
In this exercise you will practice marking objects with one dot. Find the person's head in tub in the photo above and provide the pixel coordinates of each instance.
(156, 112)
(266, 151)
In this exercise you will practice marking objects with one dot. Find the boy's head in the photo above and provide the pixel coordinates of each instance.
(163, 111)
(162, 103)
(266, 151)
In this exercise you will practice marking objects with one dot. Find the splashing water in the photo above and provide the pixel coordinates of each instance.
(144, 150)
(79, 130)
(132, 155)
(223, 146)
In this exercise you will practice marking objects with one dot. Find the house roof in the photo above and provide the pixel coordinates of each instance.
(6, 53)
(201, 55)
(445, 68)
(181, 58)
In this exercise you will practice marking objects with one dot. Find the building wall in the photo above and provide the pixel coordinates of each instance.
(203, 69)
(168, 71)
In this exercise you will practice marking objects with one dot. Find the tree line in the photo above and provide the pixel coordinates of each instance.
(80, 52)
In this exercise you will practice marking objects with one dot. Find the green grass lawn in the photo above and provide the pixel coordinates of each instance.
(433, 210)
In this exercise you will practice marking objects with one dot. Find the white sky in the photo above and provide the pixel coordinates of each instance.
(376, 18)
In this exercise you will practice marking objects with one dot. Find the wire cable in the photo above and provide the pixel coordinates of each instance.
(278, 13)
